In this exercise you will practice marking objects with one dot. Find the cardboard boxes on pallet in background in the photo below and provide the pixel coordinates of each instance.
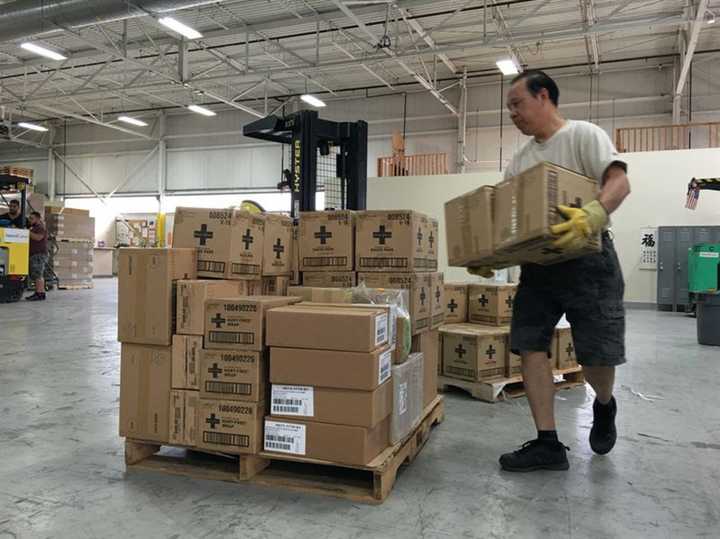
(74, 232)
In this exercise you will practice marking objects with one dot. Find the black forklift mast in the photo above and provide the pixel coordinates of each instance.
(306, 133)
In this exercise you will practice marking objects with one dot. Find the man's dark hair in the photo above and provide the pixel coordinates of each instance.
(14, 201)
(536, 80)
(36, 214)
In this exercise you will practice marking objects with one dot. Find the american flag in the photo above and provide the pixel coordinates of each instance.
(693, 195)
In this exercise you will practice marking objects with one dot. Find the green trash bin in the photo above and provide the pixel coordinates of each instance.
(704, 268)
(708, 319)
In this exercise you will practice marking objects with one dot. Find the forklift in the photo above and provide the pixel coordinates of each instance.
(14, 242)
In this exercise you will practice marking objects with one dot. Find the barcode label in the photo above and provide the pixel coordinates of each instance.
(231, 337)
(285, 437)
(292, 400)
(245, 269)
(381, 329)
(402, 397)
(385, 368)
(321, 261)
(383, 262)
(460, 372)
(223, 438)
(228, 388)
(210, 266)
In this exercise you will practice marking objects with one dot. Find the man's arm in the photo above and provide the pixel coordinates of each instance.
(616, 187)
(36, 236)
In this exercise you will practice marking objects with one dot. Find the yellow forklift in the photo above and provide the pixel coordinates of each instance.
(14, 242)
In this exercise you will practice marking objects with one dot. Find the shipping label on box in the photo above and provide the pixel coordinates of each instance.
(186, 361)
(456, 299)
(233, 375)
(146, 292)
(491, 304)
(391, 241)
(277, 255)
(327, 241)
(239, 323)
(284, 437)
(292, 400)
(437, 290)
(419, 287)
(230, 426)
(145, 373)
(184, 409)
(565, 351)
(330, 279)
(472, 352)
(210, 231)
(191, 296)
(246, 245)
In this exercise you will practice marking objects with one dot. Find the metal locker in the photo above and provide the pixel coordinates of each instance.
(683, 243)
(666, 266)
(703, 234)
(716, 234)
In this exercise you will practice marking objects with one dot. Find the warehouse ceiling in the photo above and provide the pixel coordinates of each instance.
(256, 55)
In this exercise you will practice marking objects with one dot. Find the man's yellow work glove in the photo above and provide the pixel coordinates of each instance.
(580, 225)
(481, 271)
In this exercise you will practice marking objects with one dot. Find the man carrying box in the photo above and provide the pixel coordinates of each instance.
(589, 289)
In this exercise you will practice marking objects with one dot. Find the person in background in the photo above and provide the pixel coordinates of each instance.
(588, 290)
(38, 255)
(13, 216)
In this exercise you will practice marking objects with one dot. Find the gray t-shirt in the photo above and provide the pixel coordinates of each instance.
(579, 146)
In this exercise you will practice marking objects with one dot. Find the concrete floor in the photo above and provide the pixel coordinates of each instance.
(62, 472)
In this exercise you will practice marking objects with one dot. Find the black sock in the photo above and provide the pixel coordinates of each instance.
(548, 435)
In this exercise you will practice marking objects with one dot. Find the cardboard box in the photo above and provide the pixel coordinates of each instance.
(433, 239)
(349, 328)
(392, 240)
(456, 303)
(295, 277)
(330, 368)
(418, 285)
(526, 206)
(233, 375)
(469, 229)
(430, 348)
(407, 397)
(211, 232)
(277, 255)
(342, 444)
(491, 303)
(191, 296)
(437, 288)
(146, 292)
(229, 242)
(186, 361)
(327, 241)
(274, 286)
(71, 226)
(514, 363)
(474, 353)
(239, 323)
(184, 409)
(332, 405)
(230, 426)
(145, 373)
(565, 351)
(321, 295)
(330, 279)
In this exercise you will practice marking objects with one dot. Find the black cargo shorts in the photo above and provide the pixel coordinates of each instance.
(589, 290)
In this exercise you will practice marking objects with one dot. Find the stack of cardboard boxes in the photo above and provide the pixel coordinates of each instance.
(74, 232)
(327, 249)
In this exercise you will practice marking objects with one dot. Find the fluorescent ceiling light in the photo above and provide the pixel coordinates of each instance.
(32, 127)
(507, 66)
(132, 121)
(201, 110)
(43, 51)
(182, 29)
(312, 100)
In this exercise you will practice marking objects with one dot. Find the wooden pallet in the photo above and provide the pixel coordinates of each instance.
(21, 172)
(371, 483)
(502, 388)
(75, 286)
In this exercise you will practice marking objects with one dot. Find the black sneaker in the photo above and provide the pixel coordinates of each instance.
(603, 433)
(536, 455)
(36, 297)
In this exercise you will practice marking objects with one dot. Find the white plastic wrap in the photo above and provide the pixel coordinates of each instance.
(407, 397)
